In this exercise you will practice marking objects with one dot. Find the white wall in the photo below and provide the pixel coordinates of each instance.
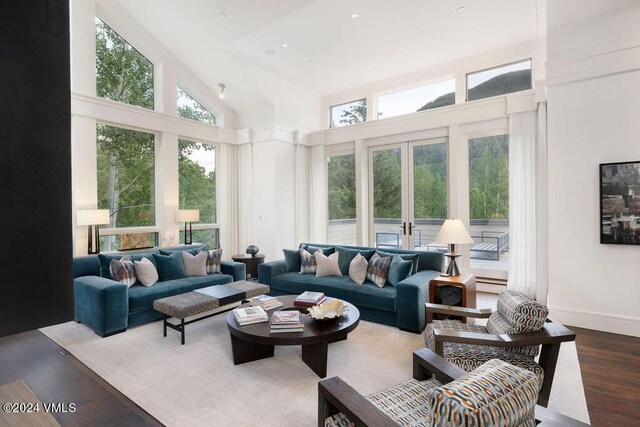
(593, 110)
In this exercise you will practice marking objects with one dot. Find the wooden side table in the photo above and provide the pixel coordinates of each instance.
(466, 283)
(252, 264)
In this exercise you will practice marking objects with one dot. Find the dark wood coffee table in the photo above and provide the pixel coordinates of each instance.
(255, 342)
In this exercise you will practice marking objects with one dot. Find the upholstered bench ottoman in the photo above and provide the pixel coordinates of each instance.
(214, 299)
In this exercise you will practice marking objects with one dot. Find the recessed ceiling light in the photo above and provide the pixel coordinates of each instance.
(268, 52)
(461, 9)
(285, 45)
(355, 15)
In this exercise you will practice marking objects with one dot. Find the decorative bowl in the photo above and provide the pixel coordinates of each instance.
(329, 310)
(252, 250)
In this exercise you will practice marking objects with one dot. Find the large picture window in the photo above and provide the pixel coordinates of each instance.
(122, 73)
(191, 109)
(348, 113)
(417, 99)
(341, 192)
(126, 177)
(499, 80)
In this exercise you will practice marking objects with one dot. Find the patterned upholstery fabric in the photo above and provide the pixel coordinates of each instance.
(378, 269)
(307, 262)
(214, 261)
(496, 393)
(468, 357)
(123, 271)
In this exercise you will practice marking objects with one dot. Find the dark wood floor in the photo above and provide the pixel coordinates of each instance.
(610, 372)
(55, 376)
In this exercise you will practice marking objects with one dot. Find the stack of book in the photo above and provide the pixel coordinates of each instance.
(286, 321)
(265, 301)
(309, 299)
(250, 315)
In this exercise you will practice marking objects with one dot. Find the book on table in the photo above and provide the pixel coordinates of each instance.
(308, 299)
(286, 321)
(266, 302)
(249, 315)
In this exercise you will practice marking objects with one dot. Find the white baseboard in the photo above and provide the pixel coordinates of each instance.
(624, 325)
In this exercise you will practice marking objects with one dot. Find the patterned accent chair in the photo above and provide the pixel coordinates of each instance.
(514, 334)
(441, 394)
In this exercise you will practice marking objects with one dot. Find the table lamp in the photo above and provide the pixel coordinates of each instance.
(452, 233)
(188, 216)
(93, 218)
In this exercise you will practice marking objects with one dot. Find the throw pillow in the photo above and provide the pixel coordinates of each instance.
(214, 261)
(344, 258)
(195, 265)
(123, 271)
(169, 267)
(399, 270)
(312, 249)
(291, 260)
(407, 257)
(307, 262)
(327, 265)
(105, 262)
(358, 269)
(378, 269)
(146, 272)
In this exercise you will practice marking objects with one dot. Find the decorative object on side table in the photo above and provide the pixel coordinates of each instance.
(93, 218)
(188, 216)
(327, 311)
(619, 207)
(452, 233)
(252, 250)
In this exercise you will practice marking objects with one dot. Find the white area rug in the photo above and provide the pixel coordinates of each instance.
(197, 384)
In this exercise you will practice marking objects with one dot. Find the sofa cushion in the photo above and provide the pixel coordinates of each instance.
(105, 261)
(378, 270)
(146, 272)
(325, 250)
(345, 256)
(123, 271)
(327, 265)
(399, 270)
(195, 265)
(141, 298)
(307, 262)
(342, 287)
(214, 261)
(291, 260)
(169, 266)
(358, 269)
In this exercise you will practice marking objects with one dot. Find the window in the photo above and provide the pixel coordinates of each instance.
(189, 108)
(122, 73)
(430, 192)
(349, 113)
(417, 99)
(197, 188)
(499, 80)
(126, 177)
(341, 199)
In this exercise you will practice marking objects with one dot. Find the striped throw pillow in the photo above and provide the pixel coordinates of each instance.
(378, 269)
(308, 263)
(214, 261)
(122, 270)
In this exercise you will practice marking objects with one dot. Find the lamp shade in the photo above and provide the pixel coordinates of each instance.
(453, 232)
(188, 215)
(93, 217)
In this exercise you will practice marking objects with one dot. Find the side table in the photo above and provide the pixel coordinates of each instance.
(251, 263)
(466, 283)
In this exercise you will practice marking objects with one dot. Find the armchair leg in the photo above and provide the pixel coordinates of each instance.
(548, 360)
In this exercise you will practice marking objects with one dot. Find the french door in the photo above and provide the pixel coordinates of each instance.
(408, 194)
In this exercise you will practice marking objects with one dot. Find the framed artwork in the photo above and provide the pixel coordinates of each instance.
(620, 203)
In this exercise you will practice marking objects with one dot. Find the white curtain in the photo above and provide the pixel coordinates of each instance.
(301, 218)
(542, 277)
(244, 167)
(522, 202)
(226, 199)
(318, 195)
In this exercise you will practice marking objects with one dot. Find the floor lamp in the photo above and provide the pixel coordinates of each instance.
(93, 218)
(452, 233)
(188, 216)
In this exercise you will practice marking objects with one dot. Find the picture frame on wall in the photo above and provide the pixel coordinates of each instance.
(620, 203)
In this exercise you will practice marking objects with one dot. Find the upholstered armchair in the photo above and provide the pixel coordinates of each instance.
(514, 333)
(441, 394)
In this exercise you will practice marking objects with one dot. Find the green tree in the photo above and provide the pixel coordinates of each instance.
(196, 186)
(189, 108)
(356, 113)
(387, 182)
(489, 177)
(341, 185)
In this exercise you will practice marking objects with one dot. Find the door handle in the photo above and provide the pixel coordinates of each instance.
(404, 228)
(410, 229)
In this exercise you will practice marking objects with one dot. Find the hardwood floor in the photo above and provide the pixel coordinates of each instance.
(55, 376)
(610, 366)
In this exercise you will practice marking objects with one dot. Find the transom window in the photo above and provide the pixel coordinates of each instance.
(122, 73)
(417, 99)
(189, 108)
(348, 113)
(499, 80)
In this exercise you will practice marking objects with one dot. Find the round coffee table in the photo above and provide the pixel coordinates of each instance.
(255, 342)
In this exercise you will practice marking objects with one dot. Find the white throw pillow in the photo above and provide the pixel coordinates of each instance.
(358, 269)
(195, 265)
(146, 272)
(327, 265)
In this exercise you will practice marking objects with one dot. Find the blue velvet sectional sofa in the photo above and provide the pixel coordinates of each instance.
(109, 307)
(401, 305)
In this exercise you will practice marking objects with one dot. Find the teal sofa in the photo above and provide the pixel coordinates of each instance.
(401, 305)
(109, 307)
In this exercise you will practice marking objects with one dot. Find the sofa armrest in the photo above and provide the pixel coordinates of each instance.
(268, 270)
(101, 304)
(411, 296)
(236, 269)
